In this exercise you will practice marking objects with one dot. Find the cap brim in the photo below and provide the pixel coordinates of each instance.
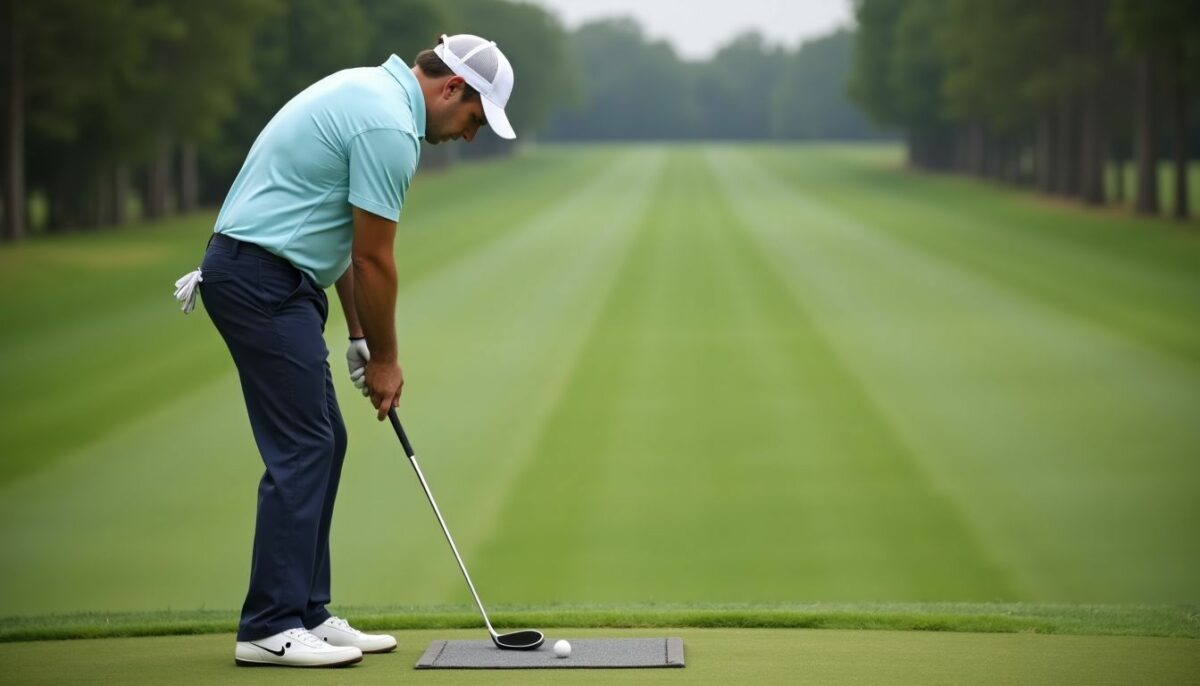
(497, 120)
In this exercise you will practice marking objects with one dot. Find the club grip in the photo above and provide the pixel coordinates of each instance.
(400, 433)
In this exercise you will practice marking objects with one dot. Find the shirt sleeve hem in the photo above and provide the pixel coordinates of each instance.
(389, 213)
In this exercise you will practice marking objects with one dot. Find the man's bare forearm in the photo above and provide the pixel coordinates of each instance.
(345, 291)
(374, 286)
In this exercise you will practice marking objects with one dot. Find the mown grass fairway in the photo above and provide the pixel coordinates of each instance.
(641, 375)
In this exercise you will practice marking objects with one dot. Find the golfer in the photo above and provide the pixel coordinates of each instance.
(316, 204)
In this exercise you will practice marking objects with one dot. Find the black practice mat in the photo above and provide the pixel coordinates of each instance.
(596, 653)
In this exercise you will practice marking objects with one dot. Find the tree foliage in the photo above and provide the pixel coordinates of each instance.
(1031, 91)
(635, 88)
(809, 101)
(168, 95)
(735, 89)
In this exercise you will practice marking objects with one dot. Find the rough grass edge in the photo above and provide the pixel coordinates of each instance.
(1176, 621)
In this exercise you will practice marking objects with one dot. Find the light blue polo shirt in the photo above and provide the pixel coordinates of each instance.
(352, 138)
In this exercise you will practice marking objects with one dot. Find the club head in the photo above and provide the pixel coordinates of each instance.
(519, 640)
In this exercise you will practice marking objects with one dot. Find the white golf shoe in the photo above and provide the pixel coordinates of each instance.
(338, 632)
(294, 648)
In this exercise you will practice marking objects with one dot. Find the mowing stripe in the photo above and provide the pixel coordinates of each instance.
(158, 511)
(781, 497)
(846, 443)
(1106, 425)
(1135, 278)
(93, 313)
(491, 339)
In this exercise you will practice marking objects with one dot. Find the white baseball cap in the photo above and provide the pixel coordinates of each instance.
(481, 64)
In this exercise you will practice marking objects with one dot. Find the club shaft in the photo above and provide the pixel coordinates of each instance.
(450, 539)
(412, 459)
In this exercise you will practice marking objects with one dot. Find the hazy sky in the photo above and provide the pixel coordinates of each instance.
(697, 29)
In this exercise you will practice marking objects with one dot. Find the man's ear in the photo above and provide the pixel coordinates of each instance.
(453, 87)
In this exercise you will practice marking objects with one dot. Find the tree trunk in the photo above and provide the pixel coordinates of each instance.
(120, 190)
(961, 160)
(1067, 148)
(1021, 152)
(976, 151)
(998, 158)
(913, 149)
(937, 148)
(1177, 114)
(56, 212)
(1091, 159)
(1180, 143)
(14, 134)
(1044, 154)
(158, 181)
(64, 195)
(189, 178)
(1012, 165)
(1119, 194)
(1145, 149)
(987, 146)
(100, 209)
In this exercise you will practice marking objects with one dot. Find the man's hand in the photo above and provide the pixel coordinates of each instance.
(357, 356)
(384, 381)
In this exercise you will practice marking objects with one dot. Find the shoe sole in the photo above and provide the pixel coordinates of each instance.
(377, 651)
(252, 663)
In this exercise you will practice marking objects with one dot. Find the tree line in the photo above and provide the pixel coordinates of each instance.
(635, 88)
(147, 108)
(1051, 95)
(159, 100)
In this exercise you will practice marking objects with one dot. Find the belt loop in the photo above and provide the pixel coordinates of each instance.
(234, 253)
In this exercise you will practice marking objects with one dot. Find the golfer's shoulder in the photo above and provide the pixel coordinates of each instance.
(371, 101)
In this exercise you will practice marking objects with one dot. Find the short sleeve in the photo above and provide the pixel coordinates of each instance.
(382, 163)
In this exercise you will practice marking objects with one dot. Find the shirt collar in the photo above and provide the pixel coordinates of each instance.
(416, 100)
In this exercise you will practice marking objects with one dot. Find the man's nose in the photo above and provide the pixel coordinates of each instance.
(469, 133)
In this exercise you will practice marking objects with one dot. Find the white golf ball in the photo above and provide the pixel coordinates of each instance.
(562, 648)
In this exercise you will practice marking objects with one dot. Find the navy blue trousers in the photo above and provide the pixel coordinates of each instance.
(272, 317)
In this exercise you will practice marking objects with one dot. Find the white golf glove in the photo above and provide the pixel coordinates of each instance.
(357, 356)
(185, 290)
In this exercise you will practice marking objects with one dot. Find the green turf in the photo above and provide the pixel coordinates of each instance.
(647, 375)
(713, 656)
(1083, 620)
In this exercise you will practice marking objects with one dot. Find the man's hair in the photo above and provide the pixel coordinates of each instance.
(432, 66)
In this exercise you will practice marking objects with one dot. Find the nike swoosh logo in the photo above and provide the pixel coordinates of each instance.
(276, 653)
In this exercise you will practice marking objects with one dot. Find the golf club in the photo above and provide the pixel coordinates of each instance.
(517, 640)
